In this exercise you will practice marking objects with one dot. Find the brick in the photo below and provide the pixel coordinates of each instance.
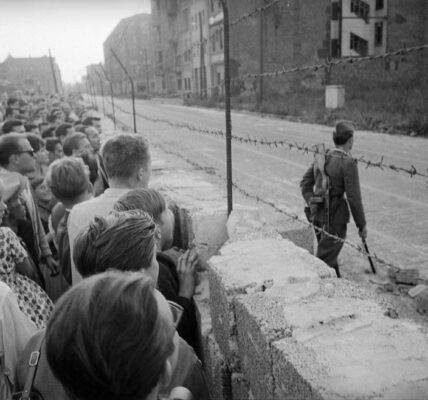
(413, 292)
(407, 276)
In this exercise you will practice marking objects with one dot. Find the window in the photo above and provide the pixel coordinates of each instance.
(160, 58)
(335, 48)
(378, 33)
(179, 84)
(359, 44)
(213, 40)
(361, 8)
(212, 5)
(379, 4)
(335, 10)
(221, 38)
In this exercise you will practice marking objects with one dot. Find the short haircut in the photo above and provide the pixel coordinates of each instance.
(148, 200)
(48, 132)
(51, 143)
(123, 240)
(61, 130)
(123, 155)
(67, 178)
(92, 163)
(72, 143)
(37, 143)
(88, 121)
(9, 125)
(343, 131)
(107, 340)
(30, 126)
(9, 144)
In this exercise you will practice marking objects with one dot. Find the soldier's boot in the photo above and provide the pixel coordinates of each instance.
(336, 268)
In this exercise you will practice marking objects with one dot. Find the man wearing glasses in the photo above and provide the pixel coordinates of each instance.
(16, 161)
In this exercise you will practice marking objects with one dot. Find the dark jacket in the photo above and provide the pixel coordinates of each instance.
(342, 170)
(168, 285)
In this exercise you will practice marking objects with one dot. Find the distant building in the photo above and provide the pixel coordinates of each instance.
(131, 41)
(32, 73)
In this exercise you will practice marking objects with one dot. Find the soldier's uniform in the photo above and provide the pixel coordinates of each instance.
(344, 194)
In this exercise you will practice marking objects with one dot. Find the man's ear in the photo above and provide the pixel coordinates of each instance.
(166, 375)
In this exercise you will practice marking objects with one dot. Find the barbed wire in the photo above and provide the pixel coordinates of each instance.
(253, 12)
(302, 148)
(290, 215)
(330, 63)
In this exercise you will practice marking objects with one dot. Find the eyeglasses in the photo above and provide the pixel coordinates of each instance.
(177, 312)
(30, 152)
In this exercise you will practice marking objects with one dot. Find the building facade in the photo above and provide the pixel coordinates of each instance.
(131, 42)
(38, 74)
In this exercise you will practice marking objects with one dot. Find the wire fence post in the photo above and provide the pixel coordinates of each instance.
(102, 89)
(227, 107)
(111, 94)
(132, 87)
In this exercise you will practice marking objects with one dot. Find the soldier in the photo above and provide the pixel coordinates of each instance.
(329, 204)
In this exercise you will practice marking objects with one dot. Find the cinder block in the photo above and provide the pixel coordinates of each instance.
(240, 386)
(223, 317)
(259, 323)
(216, 369)
(302, 237)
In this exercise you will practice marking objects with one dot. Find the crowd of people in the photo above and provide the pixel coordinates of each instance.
(97, 272)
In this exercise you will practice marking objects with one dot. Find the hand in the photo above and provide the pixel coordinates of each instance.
(52, 265)
(186, 267)
(363, 232)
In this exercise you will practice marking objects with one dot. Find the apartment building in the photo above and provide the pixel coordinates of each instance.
(31, 73)
(131, 41)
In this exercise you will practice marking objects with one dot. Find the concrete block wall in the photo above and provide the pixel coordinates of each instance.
(276, 323)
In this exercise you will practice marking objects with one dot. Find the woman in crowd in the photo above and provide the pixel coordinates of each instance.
(107, 339)
(42, 158)
(15, 265)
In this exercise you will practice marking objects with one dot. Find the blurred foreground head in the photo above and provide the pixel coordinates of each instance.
(107, 340)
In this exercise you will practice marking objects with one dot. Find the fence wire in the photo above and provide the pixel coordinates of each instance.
(302, 148)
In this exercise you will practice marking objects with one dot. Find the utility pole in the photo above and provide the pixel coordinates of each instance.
(111, 93)
(202, 57)
(53, 72)
(261, 55)
(227, 107)
(147, 71)
(132, 87)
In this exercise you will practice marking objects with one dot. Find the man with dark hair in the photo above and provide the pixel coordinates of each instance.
(13, 126)
(64, 130)
(68, 180)
(340, 172)
(93, 121)
(128, 166)
(76, 144)
(17, 160)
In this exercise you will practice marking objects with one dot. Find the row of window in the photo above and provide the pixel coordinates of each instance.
(359, 7)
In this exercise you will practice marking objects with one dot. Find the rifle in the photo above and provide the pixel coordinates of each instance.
(366, 248)
(321, 197)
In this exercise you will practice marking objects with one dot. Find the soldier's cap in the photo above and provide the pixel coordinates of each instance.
(343, 131)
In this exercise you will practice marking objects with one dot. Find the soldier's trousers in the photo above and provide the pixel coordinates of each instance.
(329, 248)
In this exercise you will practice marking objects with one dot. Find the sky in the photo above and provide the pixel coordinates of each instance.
(74, 30)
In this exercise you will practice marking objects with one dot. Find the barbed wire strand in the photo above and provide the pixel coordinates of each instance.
(302, 148)
(330, 63)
